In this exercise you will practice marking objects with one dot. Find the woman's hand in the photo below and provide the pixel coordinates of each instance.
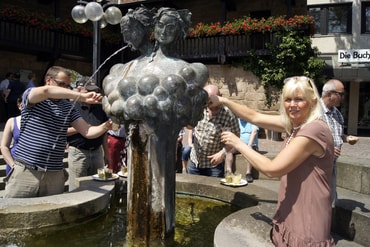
(214, 100)
(229, 138)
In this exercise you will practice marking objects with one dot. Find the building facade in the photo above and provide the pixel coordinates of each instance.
(28, 48)
(342, 35)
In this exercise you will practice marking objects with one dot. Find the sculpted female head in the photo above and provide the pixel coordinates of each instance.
(171, 25)
(136, 27)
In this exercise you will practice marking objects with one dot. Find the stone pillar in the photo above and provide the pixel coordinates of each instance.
(151, 183)
(353, 107)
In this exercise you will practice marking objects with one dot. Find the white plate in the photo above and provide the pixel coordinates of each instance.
(243, 182)
(96, 177)
(121, 174)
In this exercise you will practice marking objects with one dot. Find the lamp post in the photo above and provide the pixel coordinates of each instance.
(101, 13)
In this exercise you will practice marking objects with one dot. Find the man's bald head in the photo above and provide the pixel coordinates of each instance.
(212, 90)
(332, 93)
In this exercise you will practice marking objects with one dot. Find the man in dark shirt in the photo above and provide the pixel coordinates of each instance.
(85, 156)
(14, 91)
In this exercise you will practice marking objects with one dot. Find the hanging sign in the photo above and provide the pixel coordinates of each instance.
(354, 56)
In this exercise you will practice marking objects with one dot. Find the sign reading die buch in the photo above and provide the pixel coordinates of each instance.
(354, 56)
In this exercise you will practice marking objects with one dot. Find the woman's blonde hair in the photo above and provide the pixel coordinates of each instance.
(307, 87)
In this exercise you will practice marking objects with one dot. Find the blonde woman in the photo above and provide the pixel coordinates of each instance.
(305, 163)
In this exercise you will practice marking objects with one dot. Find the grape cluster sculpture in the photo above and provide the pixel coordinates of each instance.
(175, 97)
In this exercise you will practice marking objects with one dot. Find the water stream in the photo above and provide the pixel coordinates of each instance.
(102, 64)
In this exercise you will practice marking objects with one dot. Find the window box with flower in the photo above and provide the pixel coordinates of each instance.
(248, 25)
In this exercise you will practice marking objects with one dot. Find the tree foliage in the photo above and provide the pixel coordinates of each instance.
(291, 54)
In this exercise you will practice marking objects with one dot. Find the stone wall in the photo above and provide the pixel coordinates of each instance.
(240, 86)
(243, 87)
(234, 82)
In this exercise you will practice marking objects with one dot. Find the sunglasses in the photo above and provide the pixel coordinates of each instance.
(61, 83)
(300, 78)
(341, 94)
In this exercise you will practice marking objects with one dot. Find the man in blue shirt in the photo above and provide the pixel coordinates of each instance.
(249, 135)
(31, 80)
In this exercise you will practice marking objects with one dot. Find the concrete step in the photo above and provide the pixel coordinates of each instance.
(2, 170)
(352, 173)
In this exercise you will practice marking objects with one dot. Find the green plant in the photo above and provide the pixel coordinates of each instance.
(292, 55)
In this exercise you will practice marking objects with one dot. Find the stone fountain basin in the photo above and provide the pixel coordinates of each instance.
(89, 200)
(246, 227)
(249, 226)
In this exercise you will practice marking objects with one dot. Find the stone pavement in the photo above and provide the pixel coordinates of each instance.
(360, 150)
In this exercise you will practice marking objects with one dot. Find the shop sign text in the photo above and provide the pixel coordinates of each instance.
(354, 56)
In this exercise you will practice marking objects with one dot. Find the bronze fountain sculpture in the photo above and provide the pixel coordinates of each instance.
(154, 96)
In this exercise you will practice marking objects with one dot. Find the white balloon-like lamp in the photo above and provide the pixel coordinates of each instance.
(94, 11)
(78, 14)
(113, 15)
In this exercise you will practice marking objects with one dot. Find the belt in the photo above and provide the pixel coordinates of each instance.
(31, 167)
(88, 148)
(117, 137)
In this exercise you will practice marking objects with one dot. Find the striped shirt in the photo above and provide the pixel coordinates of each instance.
(207, 136)
(335, 121)
(43, 132)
